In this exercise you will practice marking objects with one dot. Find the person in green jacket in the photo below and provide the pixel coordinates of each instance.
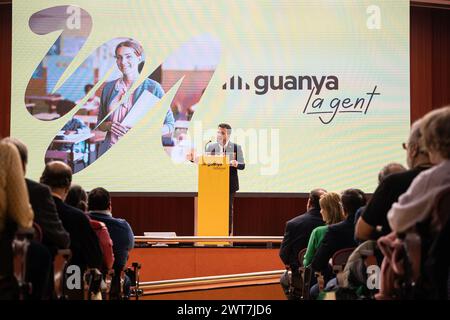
(332, 212)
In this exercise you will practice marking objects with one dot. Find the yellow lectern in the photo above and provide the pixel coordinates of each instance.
(213, 196)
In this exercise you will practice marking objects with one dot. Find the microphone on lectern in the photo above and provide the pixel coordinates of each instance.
(206, 145)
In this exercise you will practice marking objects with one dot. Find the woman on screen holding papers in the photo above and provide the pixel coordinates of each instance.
(128, 56)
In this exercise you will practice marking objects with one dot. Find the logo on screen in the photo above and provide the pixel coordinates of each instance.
(238, 84)
(325, 110)
(265, 83)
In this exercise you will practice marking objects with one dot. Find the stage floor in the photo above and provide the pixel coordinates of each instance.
(165, 263)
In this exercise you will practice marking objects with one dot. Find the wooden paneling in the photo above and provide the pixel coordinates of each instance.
(253, 216)
(441, 58)
(438, 4)
(430, 88)
(265, 216)
(5, 67)
(156, 214)
(421, 85)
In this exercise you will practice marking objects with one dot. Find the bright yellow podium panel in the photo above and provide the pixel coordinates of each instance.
(213, 196)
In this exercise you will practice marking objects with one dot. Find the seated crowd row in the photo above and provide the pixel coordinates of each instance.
(61, 216)
(395, 246)
(403, 230)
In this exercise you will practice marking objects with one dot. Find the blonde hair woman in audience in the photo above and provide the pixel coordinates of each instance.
(332, 212)
(14, 201)
(417, 203)
(15, 210)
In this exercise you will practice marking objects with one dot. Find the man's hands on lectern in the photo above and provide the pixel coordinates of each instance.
(234, 163)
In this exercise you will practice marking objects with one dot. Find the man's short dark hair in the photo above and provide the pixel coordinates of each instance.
(225, 126)
(352, 200)
(314, 197)
(98, 199)
(57, 174)
(21, 147)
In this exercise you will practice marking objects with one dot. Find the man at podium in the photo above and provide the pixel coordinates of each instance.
(224, 146)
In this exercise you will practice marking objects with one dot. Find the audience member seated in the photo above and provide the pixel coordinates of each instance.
(415, 205)
(15, 211)
(45, 215)
(100, 209)
(86, 251)
(77, 198)
(54, 236)
(338, 236)
(373, 222)
(407, 270)
(387, 170)
(296, 236)
(332, 213)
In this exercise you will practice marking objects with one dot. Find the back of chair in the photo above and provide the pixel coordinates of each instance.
(340, 258)
(305, 275)
(443, 215)
(20, 245)
(60, 264)
(427, 263)
(133, 275)
(92, 280)
(301, 256)
(440, 269)
(38, 234)
(109, 275)
(117, 282)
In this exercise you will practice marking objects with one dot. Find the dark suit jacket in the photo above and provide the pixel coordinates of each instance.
(46, 216)
(84, 243)
(121, 235)
(231, 148)
(296, 236)
(339, 236)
